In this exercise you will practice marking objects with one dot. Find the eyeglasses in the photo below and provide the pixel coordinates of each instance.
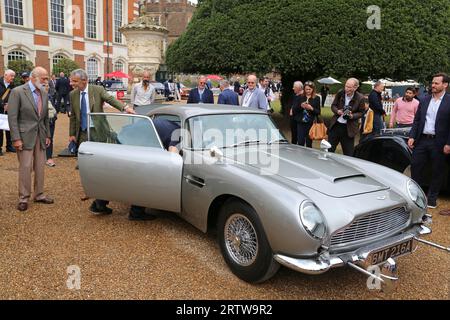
(309, 83)
(250, 82)
(202, 82)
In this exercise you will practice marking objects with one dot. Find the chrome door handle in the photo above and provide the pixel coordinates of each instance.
(86, 153)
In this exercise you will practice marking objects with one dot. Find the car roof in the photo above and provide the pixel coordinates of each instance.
(192, 110)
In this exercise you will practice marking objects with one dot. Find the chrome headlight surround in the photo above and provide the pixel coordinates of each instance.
(416, 194)
(313, 220)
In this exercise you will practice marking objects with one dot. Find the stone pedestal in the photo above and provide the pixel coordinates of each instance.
(147, 44)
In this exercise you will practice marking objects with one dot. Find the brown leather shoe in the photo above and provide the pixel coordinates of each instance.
(45, 201)
(445, 212)
(22, 206)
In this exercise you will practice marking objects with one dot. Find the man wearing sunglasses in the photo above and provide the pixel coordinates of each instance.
(253, 97)
(201, 94)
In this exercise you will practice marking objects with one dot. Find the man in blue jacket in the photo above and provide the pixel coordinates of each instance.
(430, 137)
(201, 94)
(228, 96)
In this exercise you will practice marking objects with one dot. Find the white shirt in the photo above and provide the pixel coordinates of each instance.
(141, 97)
(432, 111)
(248, 96)
(200, 94)
(347, 103)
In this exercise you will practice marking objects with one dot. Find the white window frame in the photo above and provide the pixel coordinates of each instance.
(20, 17)
(27, 14)
(62, 22)
(124, 20)
(58, 54)
(98, 14)
(16, 50)
(88, 68)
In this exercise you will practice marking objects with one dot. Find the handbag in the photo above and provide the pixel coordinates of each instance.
(368, 123)
(318, 130)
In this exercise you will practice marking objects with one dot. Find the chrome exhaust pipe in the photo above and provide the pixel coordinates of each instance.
(435, 245)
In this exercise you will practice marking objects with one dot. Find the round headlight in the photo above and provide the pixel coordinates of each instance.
(312, 219)
(416, 194)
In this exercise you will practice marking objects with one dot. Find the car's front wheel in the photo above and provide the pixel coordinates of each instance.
(244, 244)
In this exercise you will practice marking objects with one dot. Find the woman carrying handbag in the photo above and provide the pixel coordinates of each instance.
(305, 113)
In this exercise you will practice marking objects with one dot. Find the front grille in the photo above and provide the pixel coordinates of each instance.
(371, 226)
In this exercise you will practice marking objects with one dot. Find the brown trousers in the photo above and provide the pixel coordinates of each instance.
(29, 161)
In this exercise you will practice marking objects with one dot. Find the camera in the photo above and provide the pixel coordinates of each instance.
(347, 111)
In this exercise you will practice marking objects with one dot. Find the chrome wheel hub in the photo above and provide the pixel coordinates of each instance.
(241, 240)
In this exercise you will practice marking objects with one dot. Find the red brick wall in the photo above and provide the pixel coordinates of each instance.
(42, 59)
(40, 15)
(79, 32)
(80, 61)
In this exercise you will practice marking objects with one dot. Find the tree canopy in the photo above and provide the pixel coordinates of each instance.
(66, 66)
(305, 39)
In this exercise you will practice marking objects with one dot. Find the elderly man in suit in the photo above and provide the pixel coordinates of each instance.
(348, 107)
(429, 137)
(227, 96)
(253, 97)
(86, 99)
(6, 85)
(30, 133)
(201, 94)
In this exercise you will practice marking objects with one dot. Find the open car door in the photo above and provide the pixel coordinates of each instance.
(124, 161)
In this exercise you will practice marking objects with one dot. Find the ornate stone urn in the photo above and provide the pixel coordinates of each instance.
(146, 43)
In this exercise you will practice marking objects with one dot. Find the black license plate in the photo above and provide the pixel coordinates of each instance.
(393, 251)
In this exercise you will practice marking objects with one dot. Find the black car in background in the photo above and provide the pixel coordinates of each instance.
(390, 149)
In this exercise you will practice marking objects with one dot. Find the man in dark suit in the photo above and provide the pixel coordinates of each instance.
(227, 96)
(30, 132)
(6, 85)
(376, 104)
(63, 89)
(429, 137)
(52, 90)
(201, 94)
(348, 107)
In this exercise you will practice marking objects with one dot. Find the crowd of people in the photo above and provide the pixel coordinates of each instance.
(33, 108)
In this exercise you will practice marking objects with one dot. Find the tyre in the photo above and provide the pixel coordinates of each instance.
(243, 243)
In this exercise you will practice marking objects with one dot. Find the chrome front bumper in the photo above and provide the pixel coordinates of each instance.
(359, 257)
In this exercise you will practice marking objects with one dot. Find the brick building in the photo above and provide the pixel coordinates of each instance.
(44, 31)
(175, 15)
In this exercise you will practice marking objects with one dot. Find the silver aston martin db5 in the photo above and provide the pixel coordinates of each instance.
(271, 203)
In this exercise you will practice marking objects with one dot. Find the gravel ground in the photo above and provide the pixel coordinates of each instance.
(161, 259)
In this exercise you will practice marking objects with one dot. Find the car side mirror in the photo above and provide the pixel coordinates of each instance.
(325, 145)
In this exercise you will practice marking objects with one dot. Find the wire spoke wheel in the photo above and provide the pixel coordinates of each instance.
(241, 239)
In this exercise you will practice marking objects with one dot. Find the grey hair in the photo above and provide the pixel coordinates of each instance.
(298, 84)
(377, 84)
(37, 72)
(10, 72)
(79, 73)
(355, 81)
(224, 83)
